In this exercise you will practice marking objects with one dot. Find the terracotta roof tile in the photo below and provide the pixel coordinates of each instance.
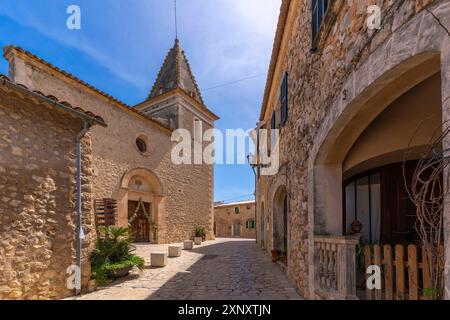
(89, 114)
(98, 91)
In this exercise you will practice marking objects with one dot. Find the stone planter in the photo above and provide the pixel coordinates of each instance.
(174, 251)
(188, 245)
(198, 241)
(158, 259)
(119, 273)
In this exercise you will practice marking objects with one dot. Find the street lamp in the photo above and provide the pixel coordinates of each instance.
(255, 165)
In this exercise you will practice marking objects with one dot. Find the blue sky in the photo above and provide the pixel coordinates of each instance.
(122, 44)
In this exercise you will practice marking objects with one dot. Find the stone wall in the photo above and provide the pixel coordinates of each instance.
(38, 199)
(318, 82)
(225, 215)
(188, 189)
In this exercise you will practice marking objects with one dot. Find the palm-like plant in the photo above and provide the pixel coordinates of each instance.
(114, 249)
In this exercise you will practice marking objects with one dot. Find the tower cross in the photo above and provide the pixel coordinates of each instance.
(176, 19)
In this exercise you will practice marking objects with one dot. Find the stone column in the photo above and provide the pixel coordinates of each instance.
(122, 208)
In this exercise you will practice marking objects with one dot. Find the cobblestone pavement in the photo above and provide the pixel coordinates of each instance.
(223, 269)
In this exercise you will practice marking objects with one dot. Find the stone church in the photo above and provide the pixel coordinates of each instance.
(128, 173)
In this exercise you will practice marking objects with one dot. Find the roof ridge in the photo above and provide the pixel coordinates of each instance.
(192, 75)
(82, 82)
(177, 61)
(159, 74)
(67, 74)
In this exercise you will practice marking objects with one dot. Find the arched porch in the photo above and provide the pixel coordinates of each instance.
(141, 205)
(344, 148)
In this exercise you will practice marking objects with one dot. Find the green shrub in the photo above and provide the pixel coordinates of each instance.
(113, 251)
(200, 232)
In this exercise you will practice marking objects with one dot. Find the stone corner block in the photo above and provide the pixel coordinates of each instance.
(158, 259)
(174, 251)
(198, 241)
(188, 245)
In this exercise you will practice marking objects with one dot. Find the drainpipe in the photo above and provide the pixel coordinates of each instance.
(80, 234)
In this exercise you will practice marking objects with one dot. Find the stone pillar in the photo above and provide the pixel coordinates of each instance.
(122, 207)
(328, 199)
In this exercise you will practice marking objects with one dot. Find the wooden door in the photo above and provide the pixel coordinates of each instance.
(399, 214)
(237, 228)
(140, 226)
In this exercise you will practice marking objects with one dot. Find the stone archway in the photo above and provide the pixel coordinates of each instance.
(411, 54)
(141, 195)
(280, 220)
(262, 225)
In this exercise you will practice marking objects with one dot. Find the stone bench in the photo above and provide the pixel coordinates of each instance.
(188, 245)
(174, 251)
(158, 259)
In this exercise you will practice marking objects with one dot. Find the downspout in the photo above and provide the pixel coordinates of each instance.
(80, 234)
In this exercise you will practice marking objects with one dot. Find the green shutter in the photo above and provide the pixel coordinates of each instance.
(284, 100)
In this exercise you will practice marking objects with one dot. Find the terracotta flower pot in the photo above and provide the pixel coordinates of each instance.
(275, 255)
(119, 273)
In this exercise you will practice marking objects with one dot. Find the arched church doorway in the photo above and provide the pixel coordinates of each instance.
(141, 205)
(140, 220)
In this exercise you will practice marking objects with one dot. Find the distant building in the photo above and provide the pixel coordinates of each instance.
(235, 220)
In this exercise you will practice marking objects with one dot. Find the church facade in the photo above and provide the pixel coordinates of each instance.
(130, 166)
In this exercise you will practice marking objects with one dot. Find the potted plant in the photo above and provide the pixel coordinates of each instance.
(112, 257)
(200, 235)
(275, 255)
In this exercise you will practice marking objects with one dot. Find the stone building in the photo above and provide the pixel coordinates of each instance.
(349, 101)
(132, 157)
(129, 167)
(235, 220)
(38, 137)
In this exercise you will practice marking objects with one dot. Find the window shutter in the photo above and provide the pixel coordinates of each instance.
(284, 100)
(105, 211)
(319, 8)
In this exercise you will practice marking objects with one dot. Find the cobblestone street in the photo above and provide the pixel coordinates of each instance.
(225, 269)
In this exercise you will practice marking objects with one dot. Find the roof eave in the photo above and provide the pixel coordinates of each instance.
(200, 106)
(282, 21)
(78, 112)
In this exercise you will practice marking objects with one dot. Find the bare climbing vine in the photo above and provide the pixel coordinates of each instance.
(428, 190)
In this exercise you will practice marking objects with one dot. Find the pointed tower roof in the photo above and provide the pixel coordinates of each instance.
(176, 73)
